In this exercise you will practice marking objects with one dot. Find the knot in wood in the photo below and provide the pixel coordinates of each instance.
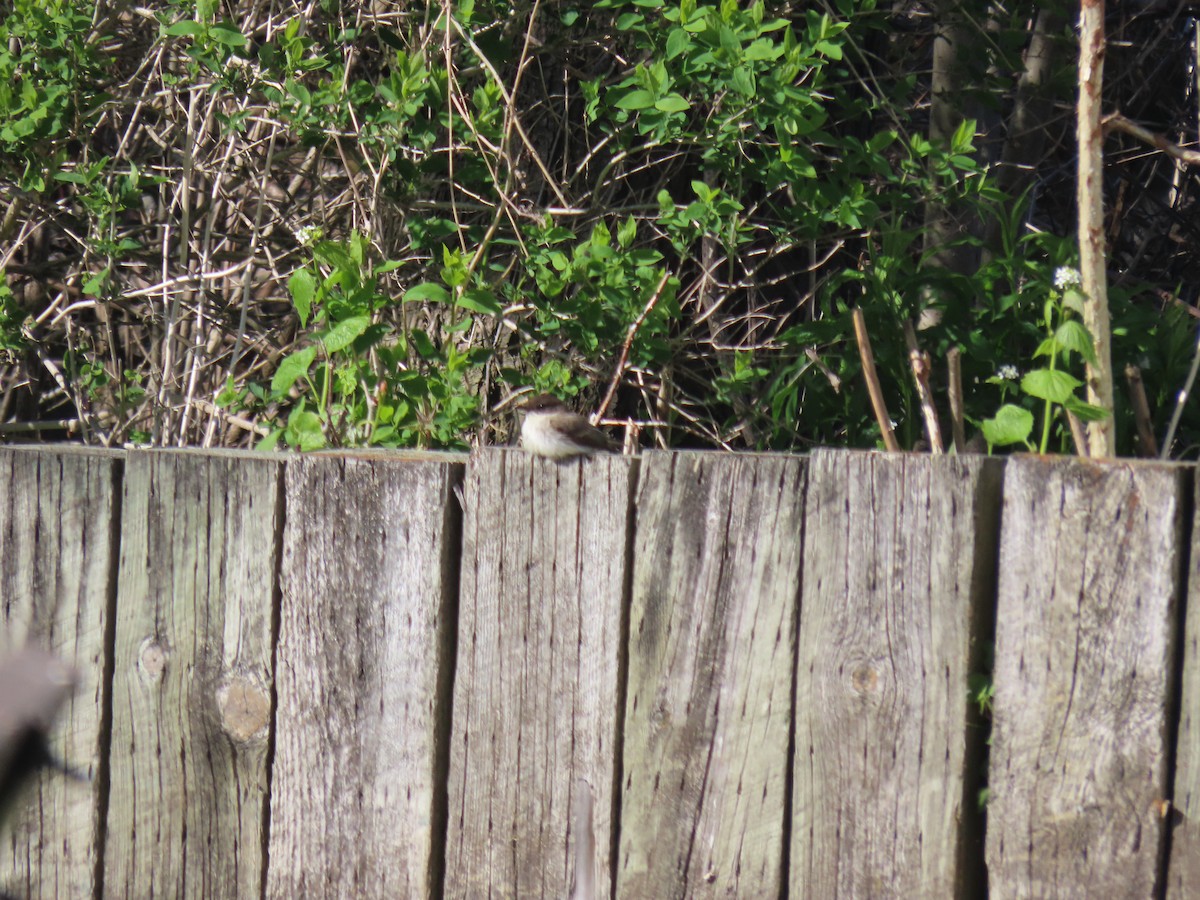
(865, 679)
(152, 660)
(245, 709)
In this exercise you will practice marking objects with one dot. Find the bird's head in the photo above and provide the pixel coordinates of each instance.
(544, 403)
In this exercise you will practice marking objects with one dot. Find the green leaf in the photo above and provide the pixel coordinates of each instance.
(303, 288)
(294, 366)
(270, 442)
(626, 232)
(304, 429)
(184, 27)
(1072, 335)
(423, 345)
(426, 291)
(225, 33)
(95, 284)
(729, 42)
(299, 92)
(672, 103)
(1047, 347)
(637, 99)
(228, 395)
(1050, 384)
(391, 39)
(343, 334)
(479, 301)
(829, 49)
(1086, 411)
(454, 270)
(677, 41)
(1073, 299)
(333, 254)
(743, 81)
(1010, 425)
(384, 435)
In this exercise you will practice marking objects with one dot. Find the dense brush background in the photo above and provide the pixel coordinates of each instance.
(334, 224)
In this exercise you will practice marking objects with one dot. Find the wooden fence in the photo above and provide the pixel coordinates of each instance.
(682, 675)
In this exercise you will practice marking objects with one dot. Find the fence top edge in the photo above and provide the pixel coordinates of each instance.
(1109, 463)
(1026, 459)
(66, 450)
(460, 457)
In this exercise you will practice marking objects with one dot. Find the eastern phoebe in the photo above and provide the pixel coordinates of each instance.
(550, 429)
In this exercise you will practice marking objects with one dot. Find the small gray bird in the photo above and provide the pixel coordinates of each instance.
(550, 429)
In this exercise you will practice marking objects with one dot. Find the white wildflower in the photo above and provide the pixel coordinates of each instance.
(1065, 277)
(308, 235)
(1008, 373)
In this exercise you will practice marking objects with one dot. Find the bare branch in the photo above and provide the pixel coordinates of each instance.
(872, 377)
(1117, 122)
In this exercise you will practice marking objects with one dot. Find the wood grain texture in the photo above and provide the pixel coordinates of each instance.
(58, 546)
(716, 582)
(1089, 563)
(1183, 871)
(537, 690)
(193, 675)
(368, 581)
(899, 557)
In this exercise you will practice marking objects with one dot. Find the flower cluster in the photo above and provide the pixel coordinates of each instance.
(1065, 277)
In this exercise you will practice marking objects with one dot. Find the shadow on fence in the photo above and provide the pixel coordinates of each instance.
(681, 675)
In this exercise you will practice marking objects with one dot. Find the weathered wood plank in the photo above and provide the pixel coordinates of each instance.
(1183, 871)
(536, 690)
(899, 561)
(716, 582)
(364, 661)
(58, 544)
(1089, 565)
(193, 674)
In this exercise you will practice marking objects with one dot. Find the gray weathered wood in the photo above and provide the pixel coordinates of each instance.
(363, 661)
(1089, 563)
(1183, 873)
(716, 582)
(58, 552)
(899, 556)
(536, 690)
(192, 679)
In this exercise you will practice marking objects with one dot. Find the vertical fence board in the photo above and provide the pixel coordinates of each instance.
(711, 660)
(192, 676)
(368, 577)
(1089, 563)
(536, 690)
(57, 544)
(899, 557)
(1183, 873)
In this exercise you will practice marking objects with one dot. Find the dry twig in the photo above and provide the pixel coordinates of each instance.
(624, 357)
(919, 360)
(1147, 446)
(872, 377)
(957, 426)
(1117, 122)
(1078, 433)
